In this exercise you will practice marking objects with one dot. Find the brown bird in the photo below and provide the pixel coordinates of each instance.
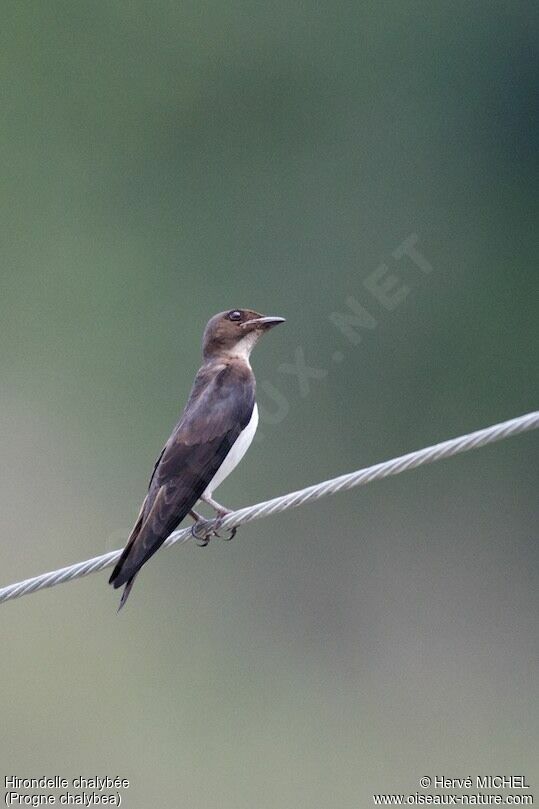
(210, 439)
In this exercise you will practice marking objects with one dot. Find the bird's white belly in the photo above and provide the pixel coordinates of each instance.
(235, 453)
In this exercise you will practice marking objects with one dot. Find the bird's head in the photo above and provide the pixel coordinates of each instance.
(235, 332)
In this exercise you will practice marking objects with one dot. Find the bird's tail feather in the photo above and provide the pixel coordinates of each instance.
(127, 590)
(118, 567)
(130, 540)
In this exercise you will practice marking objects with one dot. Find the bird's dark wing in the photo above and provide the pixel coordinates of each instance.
(219, 407)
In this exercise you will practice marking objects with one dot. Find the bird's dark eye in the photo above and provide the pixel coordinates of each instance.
(234, 315)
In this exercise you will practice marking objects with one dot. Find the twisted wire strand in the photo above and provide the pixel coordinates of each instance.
(361, 477)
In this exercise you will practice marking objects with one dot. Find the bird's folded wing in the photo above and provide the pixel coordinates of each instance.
(219, 407)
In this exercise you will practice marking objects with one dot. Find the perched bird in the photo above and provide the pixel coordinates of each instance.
(210, 439)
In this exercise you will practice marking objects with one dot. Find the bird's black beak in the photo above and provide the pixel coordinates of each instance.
(263, 323)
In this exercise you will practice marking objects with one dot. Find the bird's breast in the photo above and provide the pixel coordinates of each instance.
(235, 453)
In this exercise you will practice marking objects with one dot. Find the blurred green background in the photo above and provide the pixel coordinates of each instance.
(167, 160)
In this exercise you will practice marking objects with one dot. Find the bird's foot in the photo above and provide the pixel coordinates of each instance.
(201, 533)
(221, 514)
(203, 530)
(233, 532)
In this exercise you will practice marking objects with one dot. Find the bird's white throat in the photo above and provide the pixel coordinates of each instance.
(243, 347)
